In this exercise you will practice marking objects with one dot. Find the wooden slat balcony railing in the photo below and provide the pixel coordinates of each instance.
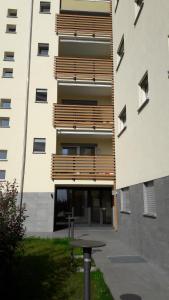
(83, 116)
(83, 68)
(99, 6)
(82, 167)
(98, 26)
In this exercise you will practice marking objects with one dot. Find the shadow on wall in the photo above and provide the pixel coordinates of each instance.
(130, 297)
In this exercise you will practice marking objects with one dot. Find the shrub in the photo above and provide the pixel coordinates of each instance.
(12, 219)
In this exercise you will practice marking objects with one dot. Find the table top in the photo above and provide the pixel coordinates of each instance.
(86, 244)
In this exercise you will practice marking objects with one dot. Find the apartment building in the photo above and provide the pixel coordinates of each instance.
(141, 54)
(57, 109)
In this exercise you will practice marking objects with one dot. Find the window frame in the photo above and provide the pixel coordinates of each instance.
(3, 179)
(125, 201)
(116, 5)
(41, 5)
(43, 45)
(142, 93)
(122, 125)
(137, 10)
(35, 151)
(147, 203)
(5, 151)
(3, 73)
(12, 9)
(7, 58)
(8, 26)
(41, 101)
(119, 54)
(3, 100)
(5, 118)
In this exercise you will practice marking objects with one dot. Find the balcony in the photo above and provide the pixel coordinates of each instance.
(79, 167)
(95, 26)
(83, 116)
(100, 6)
(83, 69)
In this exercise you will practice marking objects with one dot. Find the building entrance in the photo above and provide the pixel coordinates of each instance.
(89, 205)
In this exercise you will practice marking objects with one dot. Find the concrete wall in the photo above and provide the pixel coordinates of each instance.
(149, 236)
(142, 151)
(39, 212)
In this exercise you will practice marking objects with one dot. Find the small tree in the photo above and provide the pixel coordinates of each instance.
(12, 219)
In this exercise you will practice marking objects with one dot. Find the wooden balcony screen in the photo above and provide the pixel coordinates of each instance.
(83, 68)
(82, 167)
(97, 26)
(83, 116)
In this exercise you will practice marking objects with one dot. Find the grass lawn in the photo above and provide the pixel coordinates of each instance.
(45, 272)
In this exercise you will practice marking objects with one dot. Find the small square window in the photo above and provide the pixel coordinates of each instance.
(3, 154)
(125, 200)
(41, 95)
(9, 56)
(10, 28)
(143, 91)
(4, 122)
(120, 52)
(149, 199)
(43, 49)
(5, 103)
(12, 13)
(138, 8)
(39, 145)
(2, 175)
(44, 7)
(122, 119)
(7, 73)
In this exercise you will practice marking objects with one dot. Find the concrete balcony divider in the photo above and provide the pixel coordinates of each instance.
(68, 167)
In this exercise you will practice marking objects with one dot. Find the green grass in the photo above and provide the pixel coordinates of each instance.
(45, 272)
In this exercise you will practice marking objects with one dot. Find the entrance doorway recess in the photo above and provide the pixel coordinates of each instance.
(91, 205)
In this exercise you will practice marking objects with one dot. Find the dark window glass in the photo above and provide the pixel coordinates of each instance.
(39, 145)
(12, 13)
(5, 103)
(2, 174)
(3, 154)
(43, 49)
(7, 73)
(45, 7)
(41, 95)
(4, 122)
(9, 56)
(10, 28)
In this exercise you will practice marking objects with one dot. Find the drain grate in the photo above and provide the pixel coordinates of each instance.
(126, 259)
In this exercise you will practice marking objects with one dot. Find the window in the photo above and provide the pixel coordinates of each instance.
(2, 175)
(9, 56)
(116, 4)
(12, 13)
(7, 73)
(41, 95)
(3, 154)
(10, 28)
(39, 145)
(4, 122)
(125, 200)
(122, 121)
(44, 7)
(120, 52)
(81, 149)
(5, 103)
(143, 91)
(43, 49)
(138, 8)
(149, 199)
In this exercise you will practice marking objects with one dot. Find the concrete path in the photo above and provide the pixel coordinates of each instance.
(129, 276)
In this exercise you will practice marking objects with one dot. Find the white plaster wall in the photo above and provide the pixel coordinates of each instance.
(11, 138)
(38, 166)
(142, 151)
